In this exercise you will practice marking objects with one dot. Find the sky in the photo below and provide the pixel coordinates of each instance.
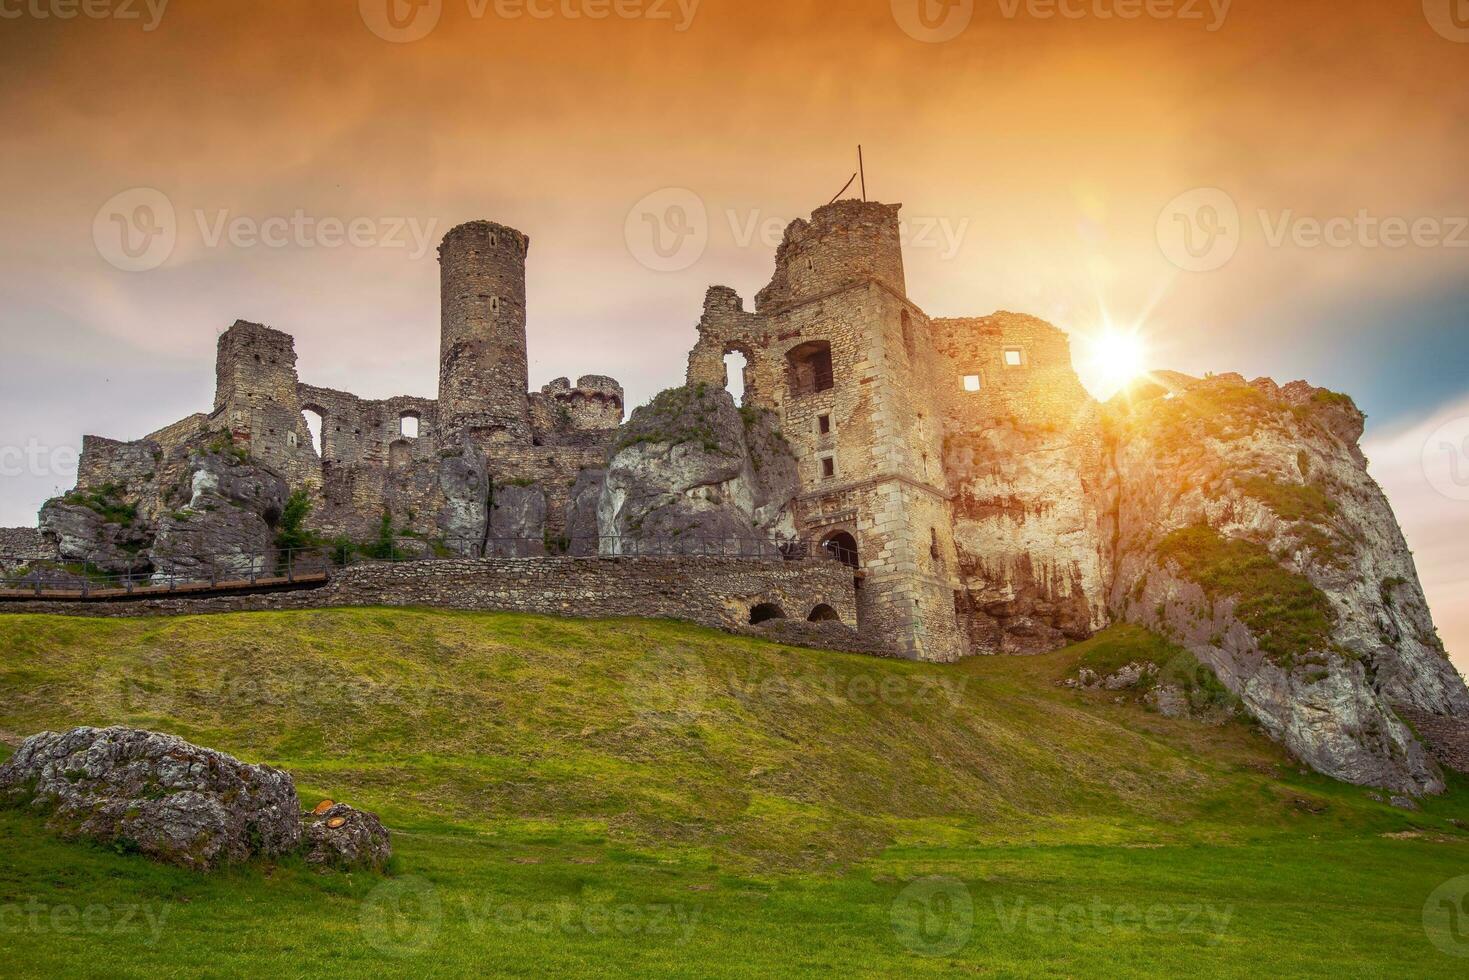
(1263, 187)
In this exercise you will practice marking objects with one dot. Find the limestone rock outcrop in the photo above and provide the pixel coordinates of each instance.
(1248, 530)
(343, 838)
(690, 470)
(170, 800)
(226, 524)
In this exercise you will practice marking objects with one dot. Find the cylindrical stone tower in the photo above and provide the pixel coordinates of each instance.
(483, 376)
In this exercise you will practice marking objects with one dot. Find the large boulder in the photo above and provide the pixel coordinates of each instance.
(94, 528)
(170, 800)
(342, 838)
(227, 527)
(1249, 531)
(582, 533)
(517, 521)
(690, 471)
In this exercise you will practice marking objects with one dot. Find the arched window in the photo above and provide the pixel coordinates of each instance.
(810, 368)
(408, 425)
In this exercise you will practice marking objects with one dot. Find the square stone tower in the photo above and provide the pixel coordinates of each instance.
(838, 351)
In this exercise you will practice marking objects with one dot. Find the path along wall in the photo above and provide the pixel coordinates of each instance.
(716, 592)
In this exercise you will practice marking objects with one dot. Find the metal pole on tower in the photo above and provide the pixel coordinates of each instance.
(862, 169)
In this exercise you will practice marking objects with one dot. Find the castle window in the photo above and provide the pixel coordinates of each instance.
(408, 425)
(736, 364)
(823, 424)
(291, 440)
(494, 304)
(828, 468)
(973, 382)
(316, 425)
(810, 368)
(1014, 357)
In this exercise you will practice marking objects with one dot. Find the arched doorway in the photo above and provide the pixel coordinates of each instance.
(843, 547)
(765, 612)
(824, 614)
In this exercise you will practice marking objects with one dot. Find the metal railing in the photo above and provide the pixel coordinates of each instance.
(116, 575)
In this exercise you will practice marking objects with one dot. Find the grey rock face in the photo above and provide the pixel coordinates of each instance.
(517, 522)
(1029, 528)
(690, 468)
(1279, 470)
(227, 527)
(343, 838)
(82, 534)
(172, 801)
(581, 513)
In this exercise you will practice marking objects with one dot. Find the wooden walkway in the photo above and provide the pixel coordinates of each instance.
(112, 593)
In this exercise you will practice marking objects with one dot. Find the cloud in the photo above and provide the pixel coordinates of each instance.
(1434, 522)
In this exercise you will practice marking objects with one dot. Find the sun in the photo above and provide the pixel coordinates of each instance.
(1117, 357)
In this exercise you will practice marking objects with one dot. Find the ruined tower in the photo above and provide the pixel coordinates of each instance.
(483, 375)
(837, 349)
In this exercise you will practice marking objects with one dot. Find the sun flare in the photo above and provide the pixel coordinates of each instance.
(1117, 357)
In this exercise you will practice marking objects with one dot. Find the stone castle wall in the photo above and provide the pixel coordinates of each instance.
(715, 592)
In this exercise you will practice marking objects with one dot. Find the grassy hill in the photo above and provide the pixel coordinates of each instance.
(629, 796)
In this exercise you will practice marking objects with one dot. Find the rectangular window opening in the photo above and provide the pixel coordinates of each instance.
(1014, 357)
(973, 382)
(828, 468)
(823, 424)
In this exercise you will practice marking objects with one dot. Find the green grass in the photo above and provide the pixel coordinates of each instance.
(1290, 618)
(633, 797)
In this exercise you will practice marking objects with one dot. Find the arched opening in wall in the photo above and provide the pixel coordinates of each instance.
(809, 367)
(316, 425)
(408, 425)
(735, 365)
(824, 614)
(843, 547)
(765, 612)
(400, 454)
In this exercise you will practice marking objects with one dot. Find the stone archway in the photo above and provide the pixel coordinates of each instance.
(765, 612)
(824, 613)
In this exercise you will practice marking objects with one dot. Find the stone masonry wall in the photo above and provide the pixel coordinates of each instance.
(715, 592)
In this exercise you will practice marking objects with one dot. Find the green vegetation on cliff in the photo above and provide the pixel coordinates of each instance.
(1289, 617)
(634, 797)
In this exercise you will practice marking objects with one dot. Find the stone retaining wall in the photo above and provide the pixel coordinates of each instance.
(716, 592)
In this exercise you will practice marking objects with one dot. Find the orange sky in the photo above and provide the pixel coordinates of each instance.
(1048, 146)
